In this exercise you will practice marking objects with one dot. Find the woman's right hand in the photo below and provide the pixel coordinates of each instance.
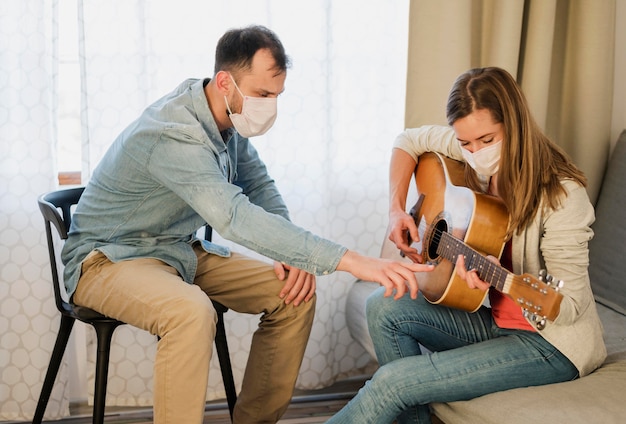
(402, 228)
(403, 232)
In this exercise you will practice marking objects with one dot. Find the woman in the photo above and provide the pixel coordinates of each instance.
(496, 348)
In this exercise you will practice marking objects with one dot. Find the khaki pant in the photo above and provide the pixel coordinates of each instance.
(149, 294)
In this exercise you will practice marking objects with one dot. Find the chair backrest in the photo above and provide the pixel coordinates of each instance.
(56, 208)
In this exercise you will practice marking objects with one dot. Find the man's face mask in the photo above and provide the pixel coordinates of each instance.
(485, 161)
(257, 114)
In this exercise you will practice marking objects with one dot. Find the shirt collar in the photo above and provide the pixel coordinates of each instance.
(203, 112)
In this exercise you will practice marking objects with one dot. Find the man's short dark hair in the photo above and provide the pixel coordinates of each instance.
(237, 47)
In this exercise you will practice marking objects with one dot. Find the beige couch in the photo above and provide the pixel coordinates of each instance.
(597, 398)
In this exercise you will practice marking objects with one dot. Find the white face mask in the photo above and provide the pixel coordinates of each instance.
(257, 114)
(485, 161)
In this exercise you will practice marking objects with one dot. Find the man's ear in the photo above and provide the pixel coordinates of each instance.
(223, 82)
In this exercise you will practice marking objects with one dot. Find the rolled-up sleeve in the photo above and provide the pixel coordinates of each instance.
(429, 138)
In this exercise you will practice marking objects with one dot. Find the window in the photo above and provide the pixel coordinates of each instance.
(68, 131)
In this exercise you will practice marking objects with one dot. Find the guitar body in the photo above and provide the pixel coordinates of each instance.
(446, 205)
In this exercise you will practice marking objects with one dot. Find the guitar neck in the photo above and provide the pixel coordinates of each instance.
(449, 247)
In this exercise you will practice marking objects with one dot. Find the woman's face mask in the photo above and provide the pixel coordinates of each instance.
(257, 114)
(485, 161)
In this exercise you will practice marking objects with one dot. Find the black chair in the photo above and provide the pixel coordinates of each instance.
(56, 209)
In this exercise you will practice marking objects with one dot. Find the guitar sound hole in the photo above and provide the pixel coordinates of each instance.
(439, 227)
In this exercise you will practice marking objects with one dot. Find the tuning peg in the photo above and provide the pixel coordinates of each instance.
(539, 321)
(542, 274)
(541, 324)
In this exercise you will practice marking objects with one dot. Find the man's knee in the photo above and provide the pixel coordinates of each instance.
(301, 315)
(195, 314)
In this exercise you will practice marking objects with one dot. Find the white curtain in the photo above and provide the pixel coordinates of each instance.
(28, 317)
(328, 152)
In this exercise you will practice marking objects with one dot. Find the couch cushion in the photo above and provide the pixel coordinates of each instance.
(607, 267)
(614, 325)
(355, 301)
(573, 402)
(596, 398)
(355, 314)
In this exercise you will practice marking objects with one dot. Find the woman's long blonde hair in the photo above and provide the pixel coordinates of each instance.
(531, 165)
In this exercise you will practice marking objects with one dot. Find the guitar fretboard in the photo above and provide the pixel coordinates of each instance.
(449, 247)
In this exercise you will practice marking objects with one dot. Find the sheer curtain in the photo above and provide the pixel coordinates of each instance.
(28, 317)
(328, 152)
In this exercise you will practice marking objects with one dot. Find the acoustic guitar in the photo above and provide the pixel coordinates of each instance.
(454, 220)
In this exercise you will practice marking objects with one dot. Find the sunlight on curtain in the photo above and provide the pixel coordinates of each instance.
(328, 150)
(561, 52)
(29, 320)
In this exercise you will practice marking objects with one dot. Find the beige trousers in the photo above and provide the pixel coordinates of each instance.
(149, 294)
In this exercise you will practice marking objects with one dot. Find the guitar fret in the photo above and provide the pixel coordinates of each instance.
(450, 247)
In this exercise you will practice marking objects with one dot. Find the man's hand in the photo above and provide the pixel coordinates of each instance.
(299, 286)
(401, 224)
(393, 275)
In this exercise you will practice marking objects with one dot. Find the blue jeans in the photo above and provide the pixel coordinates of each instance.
(471, 357)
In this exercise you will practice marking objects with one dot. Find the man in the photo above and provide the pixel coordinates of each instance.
(132, 254)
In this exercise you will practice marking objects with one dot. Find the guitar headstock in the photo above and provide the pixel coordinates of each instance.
(539, 297)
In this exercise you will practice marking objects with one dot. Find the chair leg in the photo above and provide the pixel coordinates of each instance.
(221, 345)
(104, 334)
(65, 329)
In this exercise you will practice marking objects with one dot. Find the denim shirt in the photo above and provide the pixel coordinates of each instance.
(169, 173)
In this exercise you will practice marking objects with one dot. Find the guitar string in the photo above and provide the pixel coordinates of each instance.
(494, 271)
(487, 270)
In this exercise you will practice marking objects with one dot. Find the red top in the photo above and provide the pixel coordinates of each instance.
(505, 311)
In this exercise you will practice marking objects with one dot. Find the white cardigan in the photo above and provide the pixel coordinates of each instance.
(556, 241)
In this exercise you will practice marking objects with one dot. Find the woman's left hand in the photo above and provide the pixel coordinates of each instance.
(471, 276)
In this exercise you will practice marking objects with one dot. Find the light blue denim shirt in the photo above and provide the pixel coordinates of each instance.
(170, 172)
